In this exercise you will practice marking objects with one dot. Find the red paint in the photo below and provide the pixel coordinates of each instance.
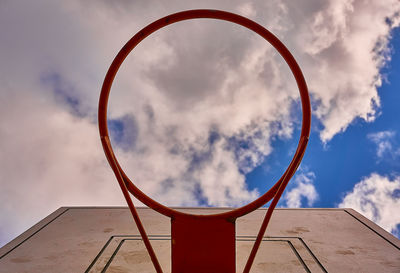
(202, 244)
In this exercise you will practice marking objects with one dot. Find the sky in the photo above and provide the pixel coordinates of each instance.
(202, 112)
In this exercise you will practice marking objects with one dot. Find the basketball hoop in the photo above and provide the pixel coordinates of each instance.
(203, 243)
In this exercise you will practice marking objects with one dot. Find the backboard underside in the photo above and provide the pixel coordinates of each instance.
(105, 239)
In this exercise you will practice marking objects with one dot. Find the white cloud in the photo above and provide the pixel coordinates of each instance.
(203, 106)
(385, 145)
(247, 9)
(304, 189)
(48, 159)
(378, 198)
(346, 54)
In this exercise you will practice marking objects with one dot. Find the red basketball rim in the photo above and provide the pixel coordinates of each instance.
(225, 16)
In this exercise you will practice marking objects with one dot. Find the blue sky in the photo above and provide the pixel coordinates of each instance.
(350, 155)
(194, 122)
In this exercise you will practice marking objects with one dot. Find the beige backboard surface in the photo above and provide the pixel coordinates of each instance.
(105, 239)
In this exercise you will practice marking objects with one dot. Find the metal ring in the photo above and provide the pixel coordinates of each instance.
(225, 16)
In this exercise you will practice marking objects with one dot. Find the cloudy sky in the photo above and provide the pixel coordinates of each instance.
(202, 113)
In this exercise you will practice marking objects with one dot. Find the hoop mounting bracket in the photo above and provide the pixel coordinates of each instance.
(203, 245)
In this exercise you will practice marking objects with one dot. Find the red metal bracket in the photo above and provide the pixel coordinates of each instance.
(202, 245)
